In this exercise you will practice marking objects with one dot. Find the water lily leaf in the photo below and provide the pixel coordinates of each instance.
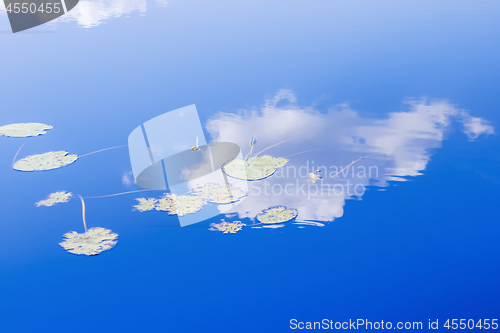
(146, 204)
(166, 204)
(227, 227)
(255, 168)
(277, 214)
(219, 193)
(180, 204)
(47, 161)
(92, 242)
(23, 130)
(279, 161)
(54, 198)
(276, 161)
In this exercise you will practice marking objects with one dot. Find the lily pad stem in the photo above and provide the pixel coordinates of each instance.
(15, 156)
(83, 213)
(270, 147)
(97, 151)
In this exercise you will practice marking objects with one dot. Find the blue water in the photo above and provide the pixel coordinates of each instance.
(414, 250)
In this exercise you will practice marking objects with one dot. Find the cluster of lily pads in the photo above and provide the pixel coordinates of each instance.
(252, 169)
(97, 240)
(273, 217)
(92, 241)
(193, 201)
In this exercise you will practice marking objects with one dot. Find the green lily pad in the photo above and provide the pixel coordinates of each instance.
(180, 204)
(146, 204)
(55, 198)
(23, 130)
(255, 168)
(47, 161)
(92, 242)
(219, 193)
(227, 227)
(277, 214)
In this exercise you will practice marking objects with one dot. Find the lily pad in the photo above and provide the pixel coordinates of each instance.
(92, 242)
(180, 204)
(277, 161)
(55, 198)
(255, 168)
(277, 214)
(23, 130)
(146, 204)
(47, 161)
(219, 193)
(227, 227)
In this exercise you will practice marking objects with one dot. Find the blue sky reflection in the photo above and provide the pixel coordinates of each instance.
(396, 147)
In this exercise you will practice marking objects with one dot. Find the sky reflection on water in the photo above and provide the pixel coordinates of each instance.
(396, 147)
(419, 249)
(88, 14)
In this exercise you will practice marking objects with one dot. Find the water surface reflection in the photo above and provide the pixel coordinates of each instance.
(91, 13)
(324, 144)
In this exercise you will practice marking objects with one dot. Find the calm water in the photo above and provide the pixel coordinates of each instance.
(412, 87)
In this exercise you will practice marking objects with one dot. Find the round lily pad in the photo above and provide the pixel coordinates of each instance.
(23, 130)
(219, 193)
(277, 214)
(47, 161)
(255, 168)
(227, 227)
(146, 204)
(92, 242)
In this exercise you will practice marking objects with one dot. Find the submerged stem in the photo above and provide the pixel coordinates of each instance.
(83, 213)
(98, 151)
(249, 153)
(302, 152)
(114, 195)
(359, 159)
(270, 147)
(251, 225)
(15, 156)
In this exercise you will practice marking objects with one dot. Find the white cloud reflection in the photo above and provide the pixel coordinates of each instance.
(91, 13)
(128, 179)
(398, 146)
